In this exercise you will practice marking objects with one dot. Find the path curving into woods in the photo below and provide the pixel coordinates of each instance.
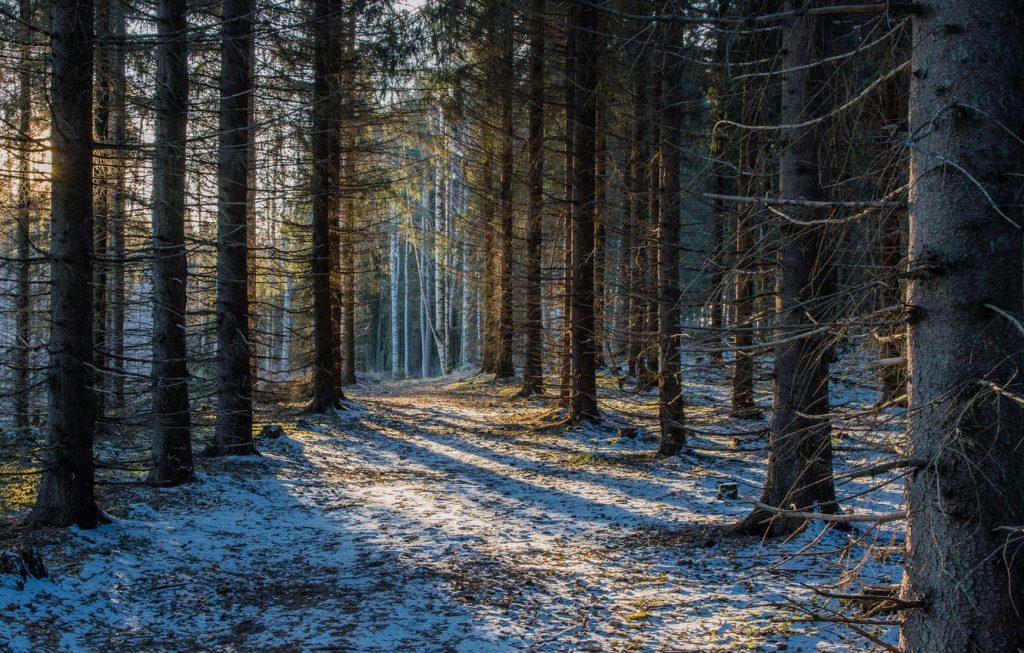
(428, 518)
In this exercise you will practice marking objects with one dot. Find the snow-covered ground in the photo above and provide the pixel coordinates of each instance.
(437, 516)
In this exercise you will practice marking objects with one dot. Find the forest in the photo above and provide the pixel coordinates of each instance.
(689, 326)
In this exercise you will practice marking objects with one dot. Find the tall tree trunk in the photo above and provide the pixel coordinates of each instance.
(489, 353)
(670, 392)
(172, 428)
(394, 285)
(348, 270)
(965, 344)
(425, 286)
(743, 405)
(118, 187)
(600, 231)
(505, 367)
(327, 391)
(636, 223)
(440, 248)
(533, 370)
(103, 177)
(889, 250)
(565, 386)
(252, 254)
(23, 242)
(650, 238)
(800, 446)
(406, 326)
(465, 344)
(348, 211)
(65, 494)
(233, 433)
(584, 381)
(716, 278)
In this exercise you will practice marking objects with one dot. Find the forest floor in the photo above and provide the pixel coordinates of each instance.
(444, 516)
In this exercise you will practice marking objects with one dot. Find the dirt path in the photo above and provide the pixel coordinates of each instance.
(427, 519)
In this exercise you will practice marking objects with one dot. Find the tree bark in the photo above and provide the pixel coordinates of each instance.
(233, 433)
(23, 242)
(565, 384)
(800, 446)
(65, 494)
(394, 279)
(743, 405)
(504, 363)
(584, 21)
(348, 270)
(533, 370)
(103, 174)
(327, 391)
(966, 504)
(635, 240)
(670, 397)
(172, 427)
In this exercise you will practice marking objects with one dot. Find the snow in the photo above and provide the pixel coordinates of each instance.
(433, 518)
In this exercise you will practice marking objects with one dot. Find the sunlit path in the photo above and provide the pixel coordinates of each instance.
(429, 518)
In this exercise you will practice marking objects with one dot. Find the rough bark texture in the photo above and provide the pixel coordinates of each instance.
(967, 502)
(172, 426)
(584, 354)
(800, 447)
(670, 397)
(743, 405)
(348, 271)
(565, 371)
(488, 347)
(533, 369)
(636, 221)
(233, 433)
(504, 364)
(601, 230)
(65, 494)
(103, 174)
(325, 149)
(23, 243)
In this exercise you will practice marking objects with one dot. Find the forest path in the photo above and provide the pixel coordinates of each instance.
(429, 517)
